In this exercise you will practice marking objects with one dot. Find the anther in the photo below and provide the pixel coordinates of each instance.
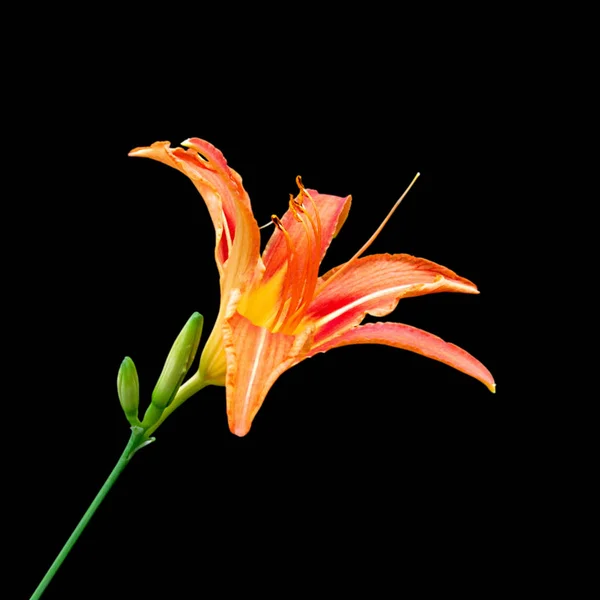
(276, 221)
(295, 207)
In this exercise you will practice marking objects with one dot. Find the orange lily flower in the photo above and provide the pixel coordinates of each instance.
(275, 310)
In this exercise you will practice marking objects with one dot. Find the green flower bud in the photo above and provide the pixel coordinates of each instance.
(178, 362)
(128, 388)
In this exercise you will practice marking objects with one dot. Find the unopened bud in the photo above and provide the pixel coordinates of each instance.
(178, 362)
(128, 388)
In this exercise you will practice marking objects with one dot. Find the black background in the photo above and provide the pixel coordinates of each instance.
(364, 463)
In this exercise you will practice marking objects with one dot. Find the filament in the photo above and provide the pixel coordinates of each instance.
(291, 260)
(374, 236)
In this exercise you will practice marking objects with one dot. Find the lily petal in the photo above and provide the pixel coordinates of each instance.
(415, 340)
(332, 213)
(237, 248)
(222, 190)
(374, 285)
(242, 234)
(255, 359)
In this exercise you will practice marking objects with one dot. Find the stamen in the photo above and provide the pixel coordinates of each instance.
(303, 192)
(294, 207)
(298, 299)
(374, 236)
(312, 271)
(301, 278)
(312, 262)
(288, 279)
(318, 228)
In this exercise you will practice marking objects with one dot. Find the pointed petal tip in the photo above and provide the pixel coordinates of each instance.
(240, 429)
(410, 338)
(141, 151)
(466, 287)
(148, 151)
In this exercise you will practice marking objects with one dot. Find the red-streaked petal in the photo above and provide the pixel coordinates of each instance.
(332, 210)
(374, 285)
(415, 340)
(255, 359)
(222, 190)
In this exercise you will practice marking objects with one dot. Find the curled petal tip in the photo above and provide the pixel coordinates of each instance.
(491, 387)
(192, 144)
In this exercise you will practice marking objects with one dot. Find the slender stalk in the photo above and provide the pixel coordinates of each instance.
(135, 441)
(139, 438)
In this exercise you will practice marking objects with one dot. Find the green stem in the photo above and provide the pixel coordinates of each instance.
(134, 443)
